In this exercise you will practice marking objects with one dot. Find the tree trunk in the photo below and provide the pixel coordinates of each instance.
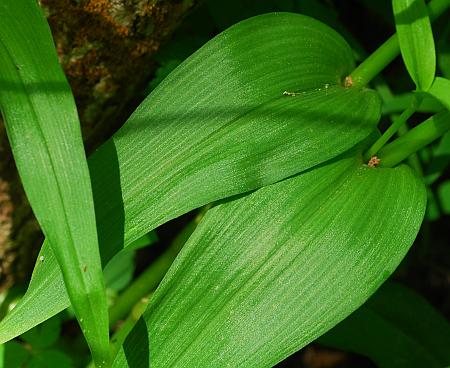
(105, 48)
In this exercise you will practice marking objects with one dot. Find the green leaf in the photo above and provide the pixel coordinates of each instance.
(51, 358)
(399, 103)
(433, 211)
(13, 355)
(419, 137)
(396, 328)
(219, 125)
(441, 91)
(44, 335)
(264, 275)
(440, 159)
(444, 196)
(43, 129)
(119, 270)
(416, 41)
(144, 241)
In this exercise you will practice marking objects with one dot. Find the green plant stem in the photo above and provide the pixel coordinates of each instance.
(151, 277)
(125, 328)
(413, 160)
(417, 138)
(376, 62)
(144, 283)
(396, 124)
(388, 51)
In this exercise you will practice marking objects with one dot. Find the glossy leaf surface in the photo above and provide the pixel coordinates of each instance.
(264, 275)
(416, 41)
(219, 125)
(43, 128)
(396, 328)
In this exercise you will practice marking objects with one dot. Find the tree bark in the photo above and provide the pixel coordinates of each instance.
(105, 48)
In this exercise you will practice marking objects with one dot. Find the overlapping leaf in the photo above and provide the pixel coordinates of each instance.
(43, 128)
(265, 274)
(416, 40)
(219, 125)
(441, 91)
(396, 328)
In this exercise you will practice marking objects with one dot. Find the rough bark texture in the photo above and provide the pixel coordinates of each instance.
(105, 48)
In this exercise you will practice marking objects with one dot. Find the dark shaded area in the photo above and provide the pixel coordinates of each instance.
(317, 356)
(107, 199)
(134, 346)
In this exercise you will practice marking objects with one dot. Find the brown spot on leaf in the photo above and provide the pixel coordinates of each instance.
(374, 161)
(348, 81)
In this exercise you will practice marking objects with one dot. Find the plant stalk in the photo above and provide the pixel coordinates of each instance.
(121, 334)
(414, 140)
(396, 124)
(413, 160)
(388, 51)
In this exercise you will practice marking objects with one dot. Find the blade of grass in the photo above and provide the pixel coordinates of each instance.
(416, 41)
(43, 128)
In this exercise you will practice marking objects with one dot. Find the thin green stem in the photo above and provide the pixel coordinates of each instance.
(417, 138)
(388, 51)
(125, 328)
(375, 63)
(413, 160)
(396, 124)
(143, 284)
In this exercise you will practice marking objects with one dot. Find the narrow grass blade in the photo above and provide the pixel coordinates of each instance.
(43, 129)
(260, 102)
(264, 275)
(416, 41)
(396, 328)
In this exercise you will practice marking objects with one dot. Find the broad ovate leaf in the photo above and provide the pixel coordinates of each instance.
(416, 41)
(260, 102)
(265, 274)
(396, 328)
(43, 128)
